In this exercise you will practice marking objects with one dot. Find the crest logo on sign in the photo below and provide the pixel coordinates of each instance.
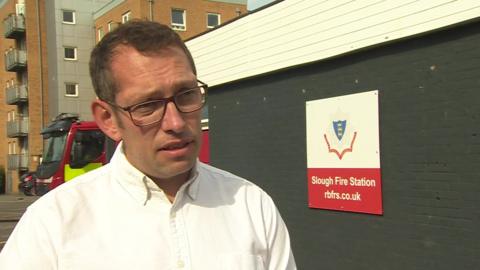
(339, 127)
(338, 138)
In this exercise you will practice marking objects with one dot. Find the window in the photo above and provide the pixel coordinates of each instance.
(100, 33)
(178, 20)
(126, 17)
(87, 147)
(68, 16)
(71, 89)
(213, 20)
(112, 25)
(54, 146)
(12, 148)
(11, 115)
(70, 53)
(20, 8)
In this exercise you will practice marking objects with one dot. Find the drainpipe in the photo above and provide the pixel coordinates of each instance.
(41, 62)
(40, 59)
(150, 4)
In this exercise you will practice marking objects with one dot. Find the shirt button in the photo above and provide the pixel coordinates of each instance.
(180, 264)
(173, 215)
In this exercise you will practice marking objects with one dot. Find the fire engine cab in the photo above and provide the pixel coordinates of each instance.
(71, 147)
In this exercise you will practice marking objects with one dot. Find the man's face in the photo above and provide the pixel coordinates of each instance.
(169, 148)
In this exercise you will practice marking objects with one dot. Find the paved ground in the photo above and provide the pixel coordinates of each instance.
(11, 209)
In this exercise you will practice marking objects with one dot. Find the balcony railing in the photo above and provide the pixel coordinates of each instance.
(15, 60)
(17, 128)
(18, 161)
(16, 94)
(14, 26)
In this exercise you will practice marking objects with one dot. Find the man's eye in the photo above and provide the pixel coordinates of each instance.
(189, 96)
(146, 109)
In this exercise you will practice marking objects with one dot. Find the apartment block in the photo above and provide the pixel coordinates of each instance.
(24, 78)
(187, 17)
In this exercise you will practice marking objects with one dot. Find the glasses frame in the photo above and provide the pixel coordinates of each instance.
(128, 109)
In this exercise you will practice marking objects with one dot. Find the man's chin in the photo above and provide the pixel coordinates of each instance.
(178, 169)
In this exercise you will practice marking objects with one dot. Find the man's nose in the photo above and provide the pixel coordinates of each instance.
(172, 119)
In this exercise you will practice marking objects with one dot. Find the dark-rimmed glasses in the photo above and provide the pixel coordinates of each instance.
(152, 111)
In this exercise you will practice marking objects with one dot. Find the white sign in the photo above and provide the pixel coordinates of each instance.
(343, 153)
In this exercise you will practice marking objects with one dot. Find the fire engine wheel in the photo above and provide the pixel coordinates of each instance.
(28, 192)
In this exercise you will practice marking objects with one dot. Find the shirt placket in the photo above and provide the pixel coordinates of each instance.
(179, 239)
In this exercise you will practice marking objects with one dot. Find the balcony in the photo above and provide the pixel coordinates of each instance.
(18, 162)
(15, 60)
(14, 26)
(16, 94)
(17, 128)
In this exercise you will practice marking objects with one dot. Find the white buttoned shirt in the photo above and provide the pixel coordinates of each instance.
(115, 217)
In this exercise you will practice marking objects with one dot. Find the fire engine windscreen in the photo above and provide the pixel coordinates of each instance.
(54, 147)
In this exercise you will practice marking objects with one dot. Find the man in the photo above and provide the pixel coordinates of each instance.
(154, 206)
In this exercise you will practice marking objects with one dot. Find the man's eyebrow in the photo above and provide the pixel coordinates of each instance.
(177, 87)
(187, 83)
(184, 85)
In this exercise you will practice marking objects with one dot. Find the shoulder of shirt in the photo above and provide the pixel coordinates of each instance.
(225, 184)
(79, 187)
(216, 174)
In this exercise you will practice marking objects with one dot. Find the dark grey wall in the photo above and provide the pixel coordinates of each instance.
(430, 152)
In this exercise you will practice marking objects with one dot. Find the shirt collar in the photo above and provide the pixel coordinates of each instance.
(143, 189)
(193, 181)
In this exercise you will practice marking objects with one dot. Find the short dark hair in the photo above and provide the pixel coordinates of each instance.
(147, 37)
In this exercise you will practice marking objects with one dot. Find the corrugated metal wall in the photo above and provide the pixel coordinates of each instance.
(295, 32)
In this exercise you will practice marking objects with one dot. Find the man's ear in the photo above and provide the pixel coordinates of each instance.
(106, 119)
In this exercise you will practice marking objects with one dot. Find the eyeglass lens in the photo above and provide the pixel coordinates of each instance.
(152, 111)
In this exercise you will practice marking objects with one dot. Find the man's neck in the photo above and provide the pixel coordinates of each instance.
(171, 185)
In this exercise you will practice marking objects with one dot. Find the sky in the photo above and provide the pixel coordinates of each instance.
(254, 4)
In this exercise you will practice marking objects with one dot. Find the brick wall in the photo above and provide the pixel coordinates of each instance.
(429, 106)
(115, 15)
(196, 12)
